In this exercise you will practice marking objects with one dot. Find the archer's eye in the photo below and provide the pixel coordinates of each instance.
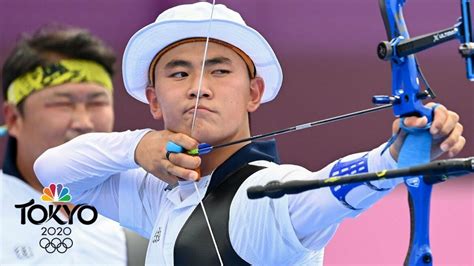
(179, 75)
(98, 103)
(221, 72)
(59, 104)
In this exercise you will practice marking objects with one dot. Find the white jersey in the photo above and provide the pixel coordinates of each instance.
(100, 170)
(102, 242)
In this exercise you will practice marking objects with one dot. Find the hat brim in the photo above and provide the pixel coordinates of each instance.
(148, 41)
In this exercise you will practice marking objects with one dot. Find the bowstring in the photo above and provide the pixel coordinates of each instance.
(201, 76)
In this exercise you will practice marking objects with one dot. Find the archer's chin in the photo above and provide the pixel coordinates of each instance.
(207, 135)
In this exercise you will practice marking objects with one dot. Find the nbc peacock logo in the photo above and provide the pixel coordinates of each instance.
(56, 193)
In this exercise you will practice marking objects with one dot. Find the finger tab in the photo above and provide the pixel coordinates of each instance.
(173, 147)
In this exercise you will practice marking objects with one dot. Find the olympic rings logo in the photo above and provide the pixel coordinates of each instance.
(56, 244)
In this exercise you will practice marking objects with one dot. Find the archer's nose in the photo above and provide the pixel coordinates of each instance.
(204, 90)
(81, 119)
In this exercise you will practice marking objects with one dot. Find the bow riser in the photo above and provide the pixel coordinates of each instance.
(417, 145)
(405, 82)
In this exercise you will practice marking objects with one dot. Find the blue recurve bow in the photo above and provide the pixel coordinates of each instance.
(407, 101)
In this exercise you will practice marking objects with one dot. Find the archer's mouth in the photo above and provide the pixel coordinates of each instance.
(200, 109)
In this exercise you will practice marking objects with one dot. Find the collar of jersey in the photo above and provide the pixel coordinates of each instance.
(254, 151)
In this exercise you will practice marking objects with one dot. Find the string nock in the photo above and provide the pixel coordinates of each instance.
(384, 99)
(466, 49)
(193, 152)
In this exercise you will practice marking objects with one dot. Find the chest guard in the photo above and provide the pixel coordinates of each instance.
(194, 244)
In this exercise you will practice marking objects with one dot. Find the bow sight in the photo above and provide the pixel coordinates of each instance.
(400, 51)
(400, 48)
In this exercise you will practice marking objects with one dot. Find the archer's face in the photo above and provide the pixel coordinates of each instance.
(55, 115)
(227, 93)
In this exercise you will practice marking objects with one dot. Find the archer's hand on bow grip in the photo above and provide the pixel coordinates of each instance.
(445, 129)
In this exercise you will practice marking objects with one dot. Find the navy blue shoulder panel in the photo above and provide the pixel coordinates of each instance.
(254, 151)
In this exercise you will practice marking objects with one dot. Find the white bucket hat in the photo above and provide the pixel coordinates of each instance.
(189, 21)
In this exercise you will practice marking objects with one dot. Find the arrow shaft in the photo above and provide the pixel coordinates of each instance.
(305, 125)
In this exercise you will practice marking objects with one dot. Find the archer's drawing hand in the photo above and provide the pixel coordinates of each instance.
(445, 129)
(151, 155)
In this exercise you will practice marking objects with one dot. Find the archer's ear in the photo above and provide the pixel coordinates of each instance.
(257, 87)
(13, 119)
(155, 108)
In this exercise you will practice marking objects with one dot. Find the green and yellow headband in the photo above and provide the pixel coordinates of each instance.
(64, 71)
